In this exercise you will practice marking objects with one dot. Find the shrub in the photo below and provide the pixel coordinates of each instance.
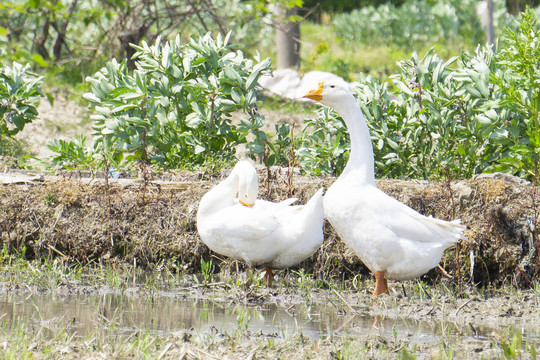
(471, 114)
(519, 80)
(174, 109)
(324, 144)
(437, 122)
(19, 96)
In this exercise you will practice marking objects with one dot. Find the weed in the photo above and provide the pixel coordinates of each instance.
(206, 268)
(242, 321)
(404, 354)
(304, 281)
(512, 345)
(255, 280)
(51, 199)
(344, 353)
(422, 289)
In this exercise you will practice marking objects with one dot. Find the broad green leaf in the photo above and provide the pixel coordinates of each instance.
(252, 80)
(131, 95)
(124, 107)
(233, 75)
(107, 131)
(194, 119)
(91, 97)
(237, 98)
(38, 59)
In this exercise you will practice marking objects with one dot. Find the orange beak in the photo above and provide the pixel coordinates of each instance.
(243, 203)
(315, 94)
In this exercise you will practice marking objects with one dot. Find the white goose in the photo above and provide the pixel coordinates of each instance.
(259, 232)
(392, 240)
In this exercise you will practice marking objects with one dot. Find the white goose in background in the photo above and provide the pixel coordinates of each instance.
(392, 240)
(231, 221)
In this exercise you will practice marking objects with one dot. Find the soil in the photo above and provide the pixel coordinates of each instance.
(83, 218)
(61, 120)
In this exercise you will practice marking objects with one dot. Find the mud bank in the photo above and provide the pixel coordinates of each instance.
(152, 223)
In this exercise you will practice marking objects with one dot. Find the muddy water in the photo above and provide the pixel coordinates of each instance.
(84, 314)
(121, 314)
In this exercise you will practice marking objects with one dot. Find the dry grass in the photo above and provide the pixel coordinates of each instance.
(154, 226)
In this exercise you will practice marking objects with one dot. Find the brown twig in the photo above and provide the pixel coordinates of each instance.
(345, 302)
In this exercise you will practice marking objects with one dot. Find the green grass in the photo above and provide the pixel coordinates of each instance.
(322, 50)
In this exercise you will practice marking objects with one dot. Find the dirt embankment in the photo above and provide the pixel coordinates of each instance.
(154, 224)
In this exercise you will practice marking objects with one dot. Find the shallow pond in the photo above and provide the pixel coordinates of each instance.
(113, 312)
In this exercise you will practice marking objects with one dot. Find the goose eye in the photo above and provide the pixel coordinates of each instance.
(332, 86)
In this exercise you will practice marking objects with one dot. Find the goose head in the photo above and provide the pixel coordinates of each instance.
(331, 94)
(247, 183)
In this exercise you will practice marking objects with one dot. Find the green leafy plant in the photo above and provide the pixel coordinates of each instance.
(324, 145)
(441, 121)
(206, 268)
(303, 281)
(520, 82)
(281, 147)
(416, 23)
(438, 119)
(242, 321)
(72, 153)
(513, 345)
(174, 109)
(19, 96)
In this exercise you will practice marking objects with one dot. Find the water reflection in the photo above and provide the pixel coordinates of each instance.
(84, 315)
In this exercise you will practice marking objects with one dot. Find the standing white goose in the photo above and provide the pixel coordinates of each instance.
(392, 240)
(259, 232)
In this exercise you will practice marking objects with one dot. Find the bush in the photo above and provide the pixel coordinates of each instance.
(471, 114)
(437, 122)
(19, 96)
(174, 109)
(441, 121)
(519, 80)
(325, 144)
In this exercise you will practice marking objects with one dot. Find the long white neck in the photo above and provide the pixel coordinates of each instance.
(361, 166)
(221, 196)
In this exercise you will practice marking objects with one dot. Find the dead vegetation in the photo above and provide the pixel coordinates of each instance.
(153, 224)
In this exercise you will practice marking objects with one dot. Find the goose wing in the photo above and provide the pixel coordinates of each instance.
(407, 223)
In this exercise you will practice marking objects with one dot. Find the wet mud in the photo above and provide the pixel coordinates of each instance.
(224, 321)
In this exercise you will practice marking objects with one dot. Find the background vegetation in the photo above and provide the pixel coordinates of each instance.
(451, 109)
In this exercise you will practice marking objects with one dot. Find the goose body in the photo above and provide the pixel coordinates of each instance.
(392, 240)
(231, 221)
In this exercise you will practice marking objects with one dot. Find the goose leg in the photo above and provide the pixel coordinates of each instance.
(268, 277)
(381, 285)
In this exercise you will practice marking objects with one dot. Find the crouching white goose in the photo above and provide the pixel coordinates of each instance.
(231, 221)
(392, 240)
